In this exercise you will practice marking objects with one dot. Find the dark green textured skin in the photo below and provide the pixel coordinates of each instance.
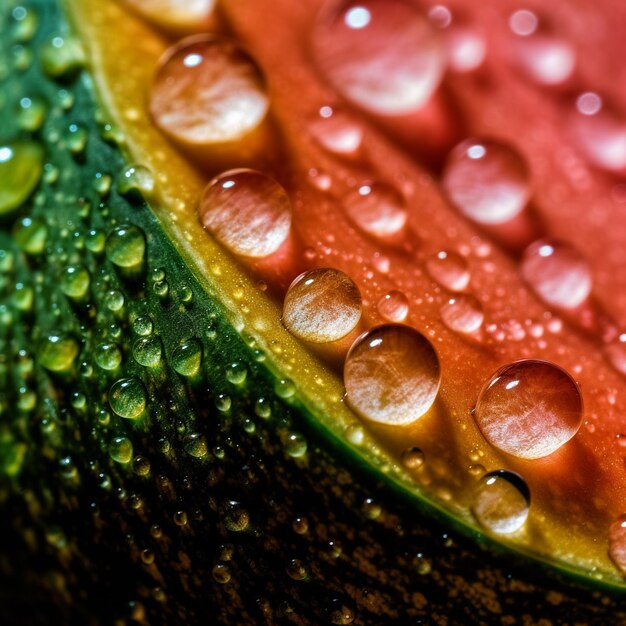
(72, 539)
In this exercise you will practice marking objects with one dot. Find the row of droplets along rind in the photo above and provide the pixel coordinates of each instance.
(487, 181)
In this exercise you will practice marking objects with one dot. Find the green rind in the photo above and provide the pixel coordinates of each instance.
(74, 542)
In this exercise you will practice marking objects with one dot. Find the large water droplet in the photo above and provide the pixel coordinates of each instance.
(322, 305)
(392, 375)
(450, 270)
(377, 208)
(487, 181)
(557, 273)
(383, 55)
(529, 409)
(600, 132)
(250, 213)
(207, 90)
(21, 167)
(462, 314)
(501, 502)
(127, 398)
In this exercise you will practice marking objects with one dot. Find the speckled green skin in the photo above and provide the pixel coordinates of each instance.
(246, 534)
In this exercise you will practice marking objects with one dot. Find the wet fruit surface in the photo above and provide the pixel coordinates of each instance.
(353, 197)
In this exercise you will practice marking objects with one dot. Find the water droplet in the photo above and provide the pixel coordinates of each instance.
(462, 314)
(600, 132)
(296, 569)
(25, 23)
(487, 181)
(187, 358)
(57, 352)
(322, 305)
(196, 445)
(236, 373)
(617, 543)
(143, 326)
(127, 398)
(501, 502)
(102, 184)
(221, 573)
(76, 139)
(394, 306)
(147, 351)
(247, 211)
(121, 450)
(95, 241)
(30, 235)
(557, 273)
(31, 114)
(466, 48)
(135, 182)
(351, 47)
(392, 375)
(336, 131)
(178, 15)
(263, 408)
(126, 246)
(236, 518)
(377, 208)
(21, 167)
(412, 458)
(208, 90)
(529, 409)
(114, 300)
(62, 57)
(108, 356)
(450, 270)
(75, 281)
(295, 445)
(285, 388)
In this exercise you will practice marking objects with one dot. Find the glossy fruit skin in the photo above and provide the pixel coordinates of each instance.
(74, 549)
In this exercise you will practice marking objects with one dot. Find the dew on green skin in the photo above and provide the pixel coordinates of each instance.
(31, 235)
(127, 398)
(24, 24)
(102, 184)
(195, 445)
(295, 445)
(31, 114)
(121, 450)
(108, 356)
(135, 182)
(236, 373)
(62, 57)
(114, 300)
(143, 326)
(187, 358)
(126, 246)
(21, 167)
(23, 297)
(76, 139)
(95, 240)
(147, 351)
(57, 352)
(75, 281)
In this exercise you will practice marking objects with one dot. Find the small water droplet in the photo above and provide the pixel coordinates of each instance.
(135, 182)
(247, 211)
(322, 305)
(600, 132)
(127, 398)
(121, 450)
(450, 270)
(412, 458)
(394, 306)
(296, 569)
(392, 375)
(208, 90)
(147, 351)
(529, 409)
(143, 326)
(285, 388)
(351, 47)
(187, 358)
(108, 356)
(462, 314)
(76, 139)
(57, 352)
(557, 273)
(295, 445)
(487, 181)
(21, 167)
(126, 246)
(615, 352)
(75, 281)
(62, 57)
(336, 131)
(501, 502)
(377, 208)
(196, 445)
(175, 15)
(31, 114)
(236, 373)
